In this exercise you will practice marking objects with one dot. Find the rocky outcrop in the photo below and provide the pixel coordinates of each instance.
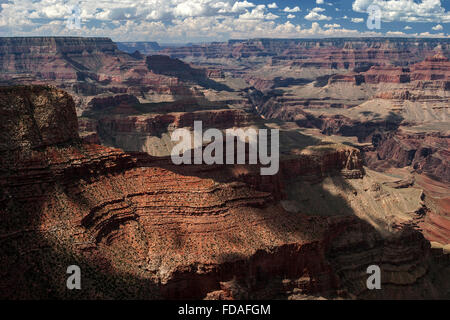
(353, 78)
(56, 58)
(387, 74)
(29, 122)
(433, 68)
(403, 95)
(151, 133)
(114, 101)
(343, 161)
(167, 66)
(348, 254)
(426, 153)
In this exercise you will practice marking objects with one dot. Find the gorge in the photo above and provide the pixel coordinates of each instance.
(86, 176)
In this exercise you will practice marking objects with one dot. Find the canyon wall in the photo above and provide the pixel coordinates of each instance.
(336, 53)
(141, 227)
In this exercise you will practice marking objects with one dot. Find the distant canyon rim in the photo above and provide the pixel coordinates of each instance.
(86, 175)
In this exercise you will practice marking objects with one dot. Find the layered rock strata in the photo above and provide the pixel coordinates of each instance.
(140, 227)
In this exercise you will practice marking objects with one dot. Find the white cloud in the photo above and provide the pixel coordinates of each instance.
(319, 1)
(168, 20)
(291, 16)
(240, 6)
(396, 34)
(54, 11)
(438, 27)
(407, 28)
(295, 9)
(318, 9)
(192, 9)
(432, 35)
(314, 15)
(258, 13)
(407, 10)
(357, 20)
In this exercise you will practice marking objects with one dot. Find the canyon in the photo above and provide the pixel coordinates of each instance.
(86, 176)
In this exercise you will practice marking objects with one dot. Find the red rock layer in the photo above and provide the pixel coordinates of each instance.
(434, 68)
(324, 53)
(110, 127)
(387, 74)
(55, 58)
(89, 66)
(436, 223)
(426, 153)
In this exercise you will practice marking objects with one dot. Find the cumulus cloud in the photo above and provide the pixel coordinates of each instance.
(406, 10)
(240, 6)
(315, 15)
(318, 9)
(438, 27)
(395, 34)
(431, 35)
(357, 20)
(168, 20)
(259, 13)
(295, 9)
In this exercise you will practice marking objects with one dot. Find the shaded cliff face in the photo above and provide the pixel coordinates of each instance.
(426, 153)
(176, 68)
(29, 122)
(142, 47)
(140, 227)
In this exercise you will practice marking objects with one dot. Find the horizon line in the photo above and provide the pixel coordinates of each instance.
(237, 39)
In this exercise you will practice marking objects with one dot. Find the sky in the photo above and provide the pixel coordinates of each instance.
(192, 21)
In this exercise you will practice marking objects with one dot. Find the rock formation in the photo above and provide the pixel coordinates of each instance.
(142, 47)
(333, 53)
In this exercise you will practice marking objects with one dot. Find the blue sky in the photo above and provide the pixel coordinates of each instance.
(342, 13)
(218, 20)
